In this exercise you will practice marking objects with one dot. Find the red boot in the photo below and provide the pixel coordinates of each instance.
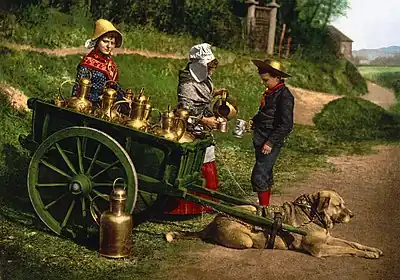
(263, 198)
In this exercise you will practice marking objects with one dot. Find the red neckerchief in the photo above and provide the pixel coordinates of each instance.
(102, 63)
(269, 91)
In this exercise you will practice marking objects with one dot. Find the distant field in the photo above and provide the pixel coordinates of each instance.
(371, 70)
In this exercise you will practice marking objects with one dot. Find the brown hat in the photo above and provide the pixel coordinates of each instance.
(271, 66)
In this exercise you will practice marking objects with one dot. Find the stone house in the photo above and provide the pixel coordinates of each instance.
(344, 43)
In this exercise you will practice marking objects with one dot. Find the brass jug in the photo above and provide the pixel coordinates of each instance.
(80, 102)
(109, 106)
(116, 227)
(224, 106)
(169, 127)
(59, 99)
(183, 115)
(137, 112)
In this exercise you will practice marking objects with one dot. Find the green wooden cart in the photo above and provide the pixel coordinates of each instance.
(77, 158)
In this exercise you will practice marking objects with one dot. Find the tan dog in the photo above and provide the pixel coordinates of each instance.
(316, 214)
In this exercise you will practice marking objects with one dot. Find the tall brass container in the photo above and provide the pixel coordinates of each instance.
(80, 102)
(116, 228)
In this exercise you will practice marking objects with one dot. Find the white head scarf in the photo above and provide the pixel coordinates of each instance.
(89, 44)
(199, 56)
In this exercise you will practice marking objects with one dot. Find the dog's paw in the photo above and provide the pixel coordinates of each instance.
(375, 250)
(372, 255)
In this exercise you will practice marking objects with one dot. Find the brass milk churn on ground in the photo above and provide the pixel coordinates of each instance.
(80, 102)
(137, 112)
(116, 227)
(169, 129)
(183, 115)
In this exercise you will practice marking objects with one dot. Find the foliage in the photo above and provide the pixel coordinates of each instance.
(319, 13)
(338, 77)
(355, 119)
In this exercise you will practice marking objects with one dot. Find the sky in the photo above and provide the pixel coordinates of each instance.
(371, 24)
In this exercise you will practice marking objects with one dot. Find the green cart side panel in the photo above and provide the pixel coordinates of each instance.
(158, 162)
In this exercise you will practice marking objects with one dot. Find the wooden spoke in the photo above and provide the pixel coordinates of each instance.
(67, 216)
(83, 203)
(47, 206)
(49, 185)
(66, 159)
(54, 168)
(80, 155)
(102, 195)
(96, 154)
(106, 169)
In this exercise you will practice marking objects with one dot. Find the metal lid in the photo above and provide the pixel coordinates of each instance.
(84, 81)
(118, 194)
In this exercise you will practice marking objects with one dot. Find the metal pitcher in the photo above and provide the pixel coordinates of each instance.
(80, 102)
(224, 106)
(169, 128)
(109, 106)
(181, 120)
(137, 112)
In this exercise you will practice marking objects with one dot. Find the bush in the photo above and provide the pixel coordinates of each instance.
(355, 119)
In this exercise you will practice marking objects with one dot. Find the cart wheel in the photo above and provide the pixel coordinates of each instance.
(70, 169)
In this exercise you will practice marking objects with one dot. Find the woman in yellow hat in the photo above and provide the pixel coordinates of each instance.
(98, 65)
(272, 123)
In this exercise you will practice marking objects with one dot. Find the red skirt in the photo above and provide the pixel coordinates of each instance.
(178, 206)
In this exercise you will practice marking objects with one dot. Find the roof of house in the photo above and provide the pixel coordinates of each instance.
(337, 33)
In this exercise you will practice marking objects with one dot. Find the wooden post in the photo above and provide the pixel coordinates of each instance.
(289, 40)
(251, 15)
(272, 26)
(281, 40)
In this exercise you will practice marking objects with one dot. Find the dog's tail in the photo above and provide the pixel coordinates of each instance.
(174, 235)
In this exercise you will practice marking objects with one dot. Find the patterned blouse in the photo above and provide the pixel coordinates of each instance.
(99, 69)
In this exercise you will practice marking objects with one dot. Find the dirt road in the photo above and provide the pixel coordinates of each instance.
(308, 103)
(369, 185)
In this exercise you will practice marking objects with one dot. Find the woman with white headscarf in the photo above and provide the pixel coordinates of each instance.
(195, 93)
(97, 65)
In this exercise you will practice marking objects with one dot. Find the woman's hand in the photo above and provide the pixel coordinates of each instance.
(220, 91)
(210, 122)
(266, 148)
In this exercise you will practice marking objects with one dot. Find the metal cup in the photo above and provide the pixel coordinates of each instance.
(222, 124)
(240, 128)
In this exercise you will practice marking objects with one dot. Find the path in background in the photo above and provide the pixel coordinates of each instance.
(380, 95)
(82, 50)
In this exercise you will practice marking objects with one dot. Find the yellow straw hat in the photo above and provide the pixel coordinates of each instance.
(103, 26)
(272, 67)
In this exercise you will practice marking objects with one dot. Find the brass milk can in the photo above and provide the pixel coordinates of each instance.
(183, 115)
(169, 128)
(116, 227)
(80, 102)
